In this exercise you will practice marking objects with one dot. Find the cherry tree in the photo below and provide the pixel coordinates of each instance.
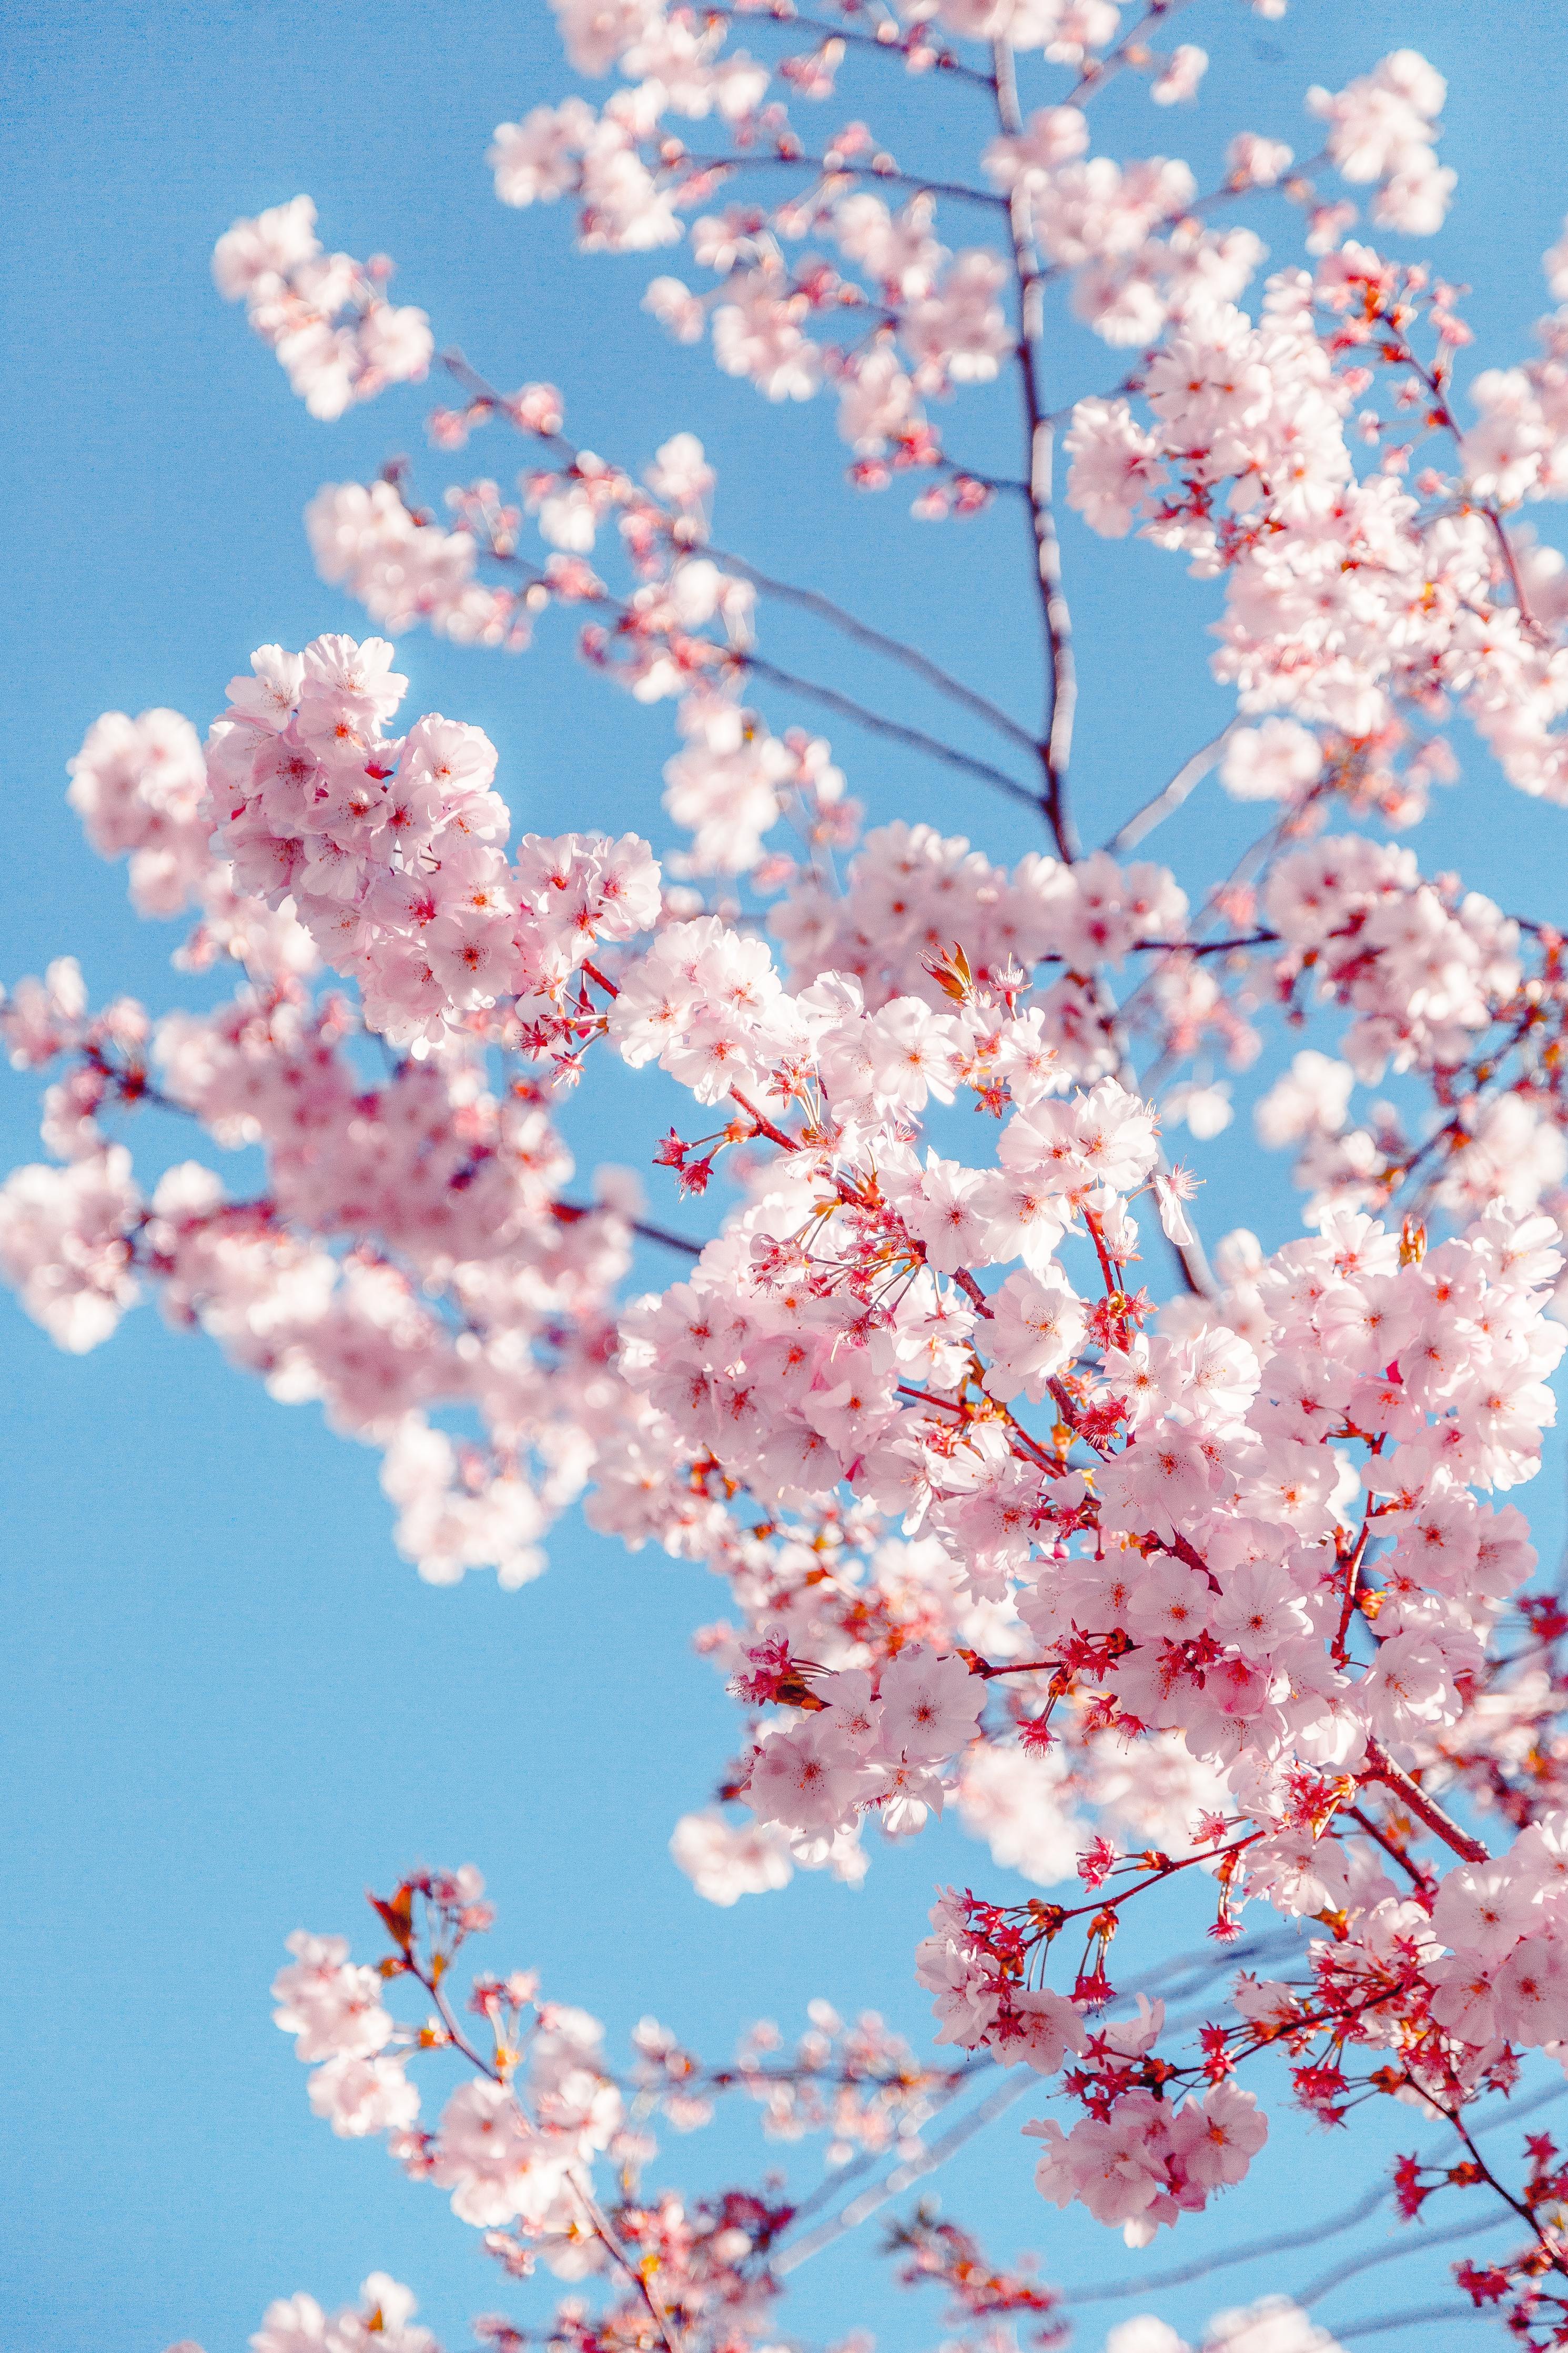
(1158, 1556)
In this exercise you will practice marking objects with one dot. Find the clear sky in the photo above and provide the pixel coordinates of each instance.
(229, 1705)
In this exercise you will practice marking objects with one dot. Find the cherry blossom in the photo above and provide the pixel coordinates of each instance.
(337, 337)
(1153, 1558)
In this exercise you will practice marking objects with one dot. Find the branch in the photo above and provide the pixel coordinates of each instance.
(600, 2220)
(605, 2229)
(1155, 812)
(1061, 675)
(812, 601)
(1382, 1768)
(1416, 2243)
(1412, 2319)
(1550, 2247)
(1282, 2243)
(781, 13)
(1443, 415)
(885, 175)
(570, 1211)
(737, 658)
(665, 1239)
(1421, 1879)
(894, 730)
(1285, 2242)
(833, 2184)
(1013, 2084)
(1130, 51)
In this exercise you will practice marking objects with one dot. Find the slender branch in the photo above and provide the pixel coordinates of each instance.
(1205, 948)
(605, 2229)
(831, 2186)
(455, 2035)
(764, 1125)
(1283, 2242)
(875, 723)
(601, 2222)
(1395, 1855)
(740, 658)
(945, 464)
(1346, 2330)
(1551, 2248)
(1204, 1963)
(1129, 51)
(1013, 2086)
(1055, 750)
(836, 617)
(973, 1292)
(781, 15)
(810, 600)
(665, 1239)
(1416, 2243)
(1443, 415)
(887, 176)
(1382, 1768)
(570, 1211)
(1192, 1260)
(1230, 191)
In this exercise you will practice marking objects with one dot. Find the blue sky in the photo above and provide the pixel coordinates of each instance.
(230, 1705)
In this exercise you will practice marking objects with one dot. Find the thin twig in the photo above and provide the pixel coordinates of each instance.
(1443, 415)
(570, 1211)
(665, 1239)
(1411, 2319)
(603, 2228)
(811, 601)
(781, 16)
(1549, 2246)
(1128, 51)
(740, 658)
(875, 723)
(1282, 2243)
(1415, 2243)
(633, 2271)
(886, 175)
(833, 2184)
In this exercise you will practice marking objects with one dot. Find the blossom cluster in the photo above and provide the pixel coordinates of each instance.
(1352, 599)
(381, 2322)
(392, 851)
(538, 2109)
(1182, 1527)
(516, 2142)
(1208, 1582)
(337, 337)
